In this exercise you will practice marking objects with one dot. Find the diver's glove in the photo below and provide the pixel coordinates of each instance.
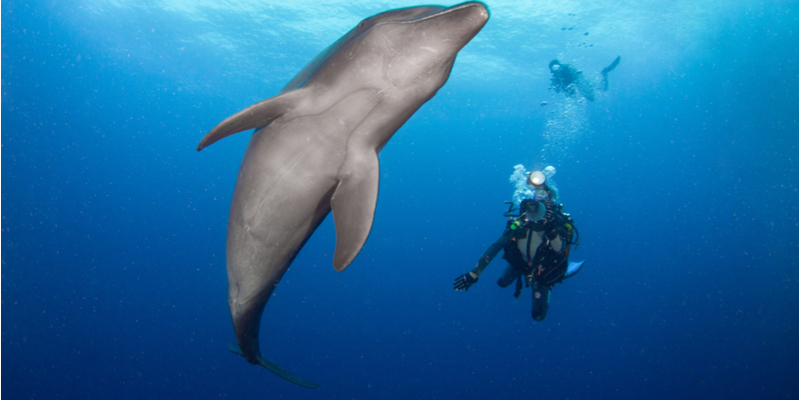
(463, 282)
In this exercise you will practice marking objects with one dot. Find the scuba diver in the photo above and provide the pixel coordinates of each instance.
(570, 80)
(536, 244)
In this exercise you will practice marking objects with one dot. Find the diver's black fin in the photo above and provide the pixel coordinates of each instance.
(612, 65)
(608, 69)
(276, 369)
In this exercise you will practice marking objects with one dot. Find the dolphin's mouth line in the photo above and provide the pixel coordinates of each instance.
(435, 15)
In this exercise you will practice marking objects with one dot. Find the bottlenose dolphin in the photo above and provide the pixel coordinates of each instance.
(316, 149)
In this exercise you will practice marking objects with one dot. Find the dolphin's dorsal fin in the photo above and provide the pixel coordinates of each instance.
(353, 204)
(258, 115)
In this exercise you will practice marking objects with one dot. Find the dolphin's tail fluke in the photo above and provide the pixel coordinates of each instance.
(276, 369)
(608, 69)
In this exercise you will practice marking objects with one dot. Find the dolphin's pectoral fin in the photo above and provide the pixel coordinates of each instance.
(276, 369)
(353, 204)
(258, 115)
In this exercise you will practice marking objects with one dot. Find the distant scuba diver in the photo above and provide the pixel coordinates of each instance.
(569, 80)
(536, 244)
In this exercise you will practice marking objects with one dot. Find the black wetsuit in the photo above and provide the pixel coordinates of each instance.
(570, 80)
(546, 244)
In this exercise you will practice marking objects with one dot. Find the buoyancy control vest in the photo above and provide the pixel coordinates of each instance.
(540, 249)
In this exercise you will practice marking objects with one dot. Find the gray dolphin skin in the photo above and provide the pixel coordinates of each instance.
(316, 150)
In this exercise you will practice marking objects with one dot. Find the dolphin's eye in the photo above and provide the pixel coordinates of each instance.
(362, 24)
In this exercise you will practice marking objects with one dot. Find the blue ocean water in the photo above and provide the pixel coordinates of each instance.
(682, 179)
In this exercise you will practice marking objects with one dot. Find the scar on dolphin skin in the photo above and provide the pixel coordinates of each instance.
(316, 148)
